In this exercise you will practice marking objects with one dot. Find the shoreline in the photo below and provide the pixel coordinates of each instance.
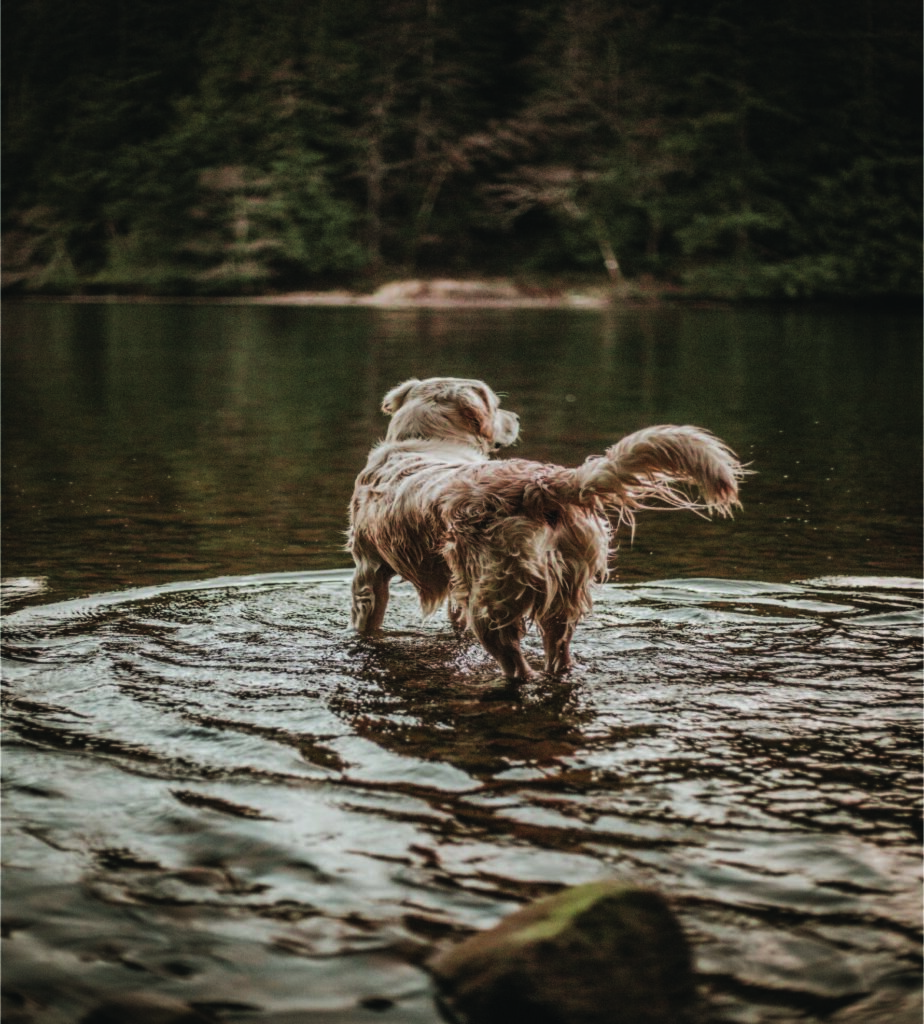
(456, 294)
(441, 293)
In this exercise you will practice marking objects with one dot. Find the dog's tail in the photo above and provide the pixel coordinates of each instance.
(646, 466)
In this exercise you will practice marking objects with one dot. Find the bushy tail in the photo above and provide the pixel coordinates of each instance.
(646, 466)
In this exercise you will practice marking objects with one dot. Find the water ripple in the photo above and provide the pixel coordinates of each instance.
(322, 806)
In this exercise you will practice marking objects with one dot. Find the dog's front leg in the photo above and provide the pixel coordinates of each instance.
(370, 595)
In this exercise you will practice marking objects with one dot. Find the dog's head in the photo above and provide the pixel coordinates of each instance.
(449, 409)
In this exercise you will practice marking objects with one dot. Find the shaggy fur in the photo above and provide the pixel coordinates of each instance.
(507, 541)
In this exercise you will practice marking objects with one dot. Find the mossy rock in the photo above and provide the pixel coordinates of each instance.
(602, 953)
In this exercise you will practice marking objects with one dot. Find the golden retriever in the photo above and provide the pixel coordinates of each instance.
(507, 542)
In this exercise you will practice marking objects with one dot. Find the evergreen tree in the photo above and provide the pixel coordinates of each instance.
(739, 149)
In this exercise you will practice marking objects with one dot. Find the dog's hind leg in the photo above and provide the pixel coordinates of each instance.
(557, 632)
(370, 595)
(456, 615)
(503, 644)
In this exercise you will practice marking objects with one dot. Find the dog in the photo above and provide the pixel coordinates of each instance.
(508, 541)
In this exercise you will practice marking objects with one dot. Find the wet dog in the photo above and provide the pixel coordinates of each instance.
(507, 542)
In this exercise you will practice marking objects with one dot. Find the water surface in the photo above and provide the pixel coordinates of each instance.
(215, 793)
(146, 444)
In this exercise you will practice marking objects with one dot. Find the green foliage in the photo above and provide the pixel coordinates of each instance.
(867, 218)
(803, 277)
(251, 228)
(743, 150)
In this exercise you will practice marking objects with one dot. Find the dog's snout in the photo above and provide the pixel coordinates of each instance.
(507, 428)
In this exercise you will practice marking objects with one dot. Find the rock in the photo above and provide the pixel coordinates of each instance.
(601, 953)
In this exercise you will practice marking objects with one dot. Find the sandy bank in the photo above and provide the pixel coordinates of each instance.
(443, 293)
(410, 294)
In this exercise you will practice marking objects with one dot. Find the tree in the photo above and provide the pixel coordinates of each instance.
(737, 149)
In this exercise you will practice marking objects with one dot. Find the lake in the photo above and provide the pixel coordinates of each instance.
(215, 794)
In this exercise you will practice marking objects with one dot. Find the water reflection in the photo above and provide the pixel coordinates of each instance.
(216, 792)
(147, 443)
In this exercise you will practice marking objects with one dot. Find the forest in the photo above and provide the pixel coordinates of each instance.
(725, 148)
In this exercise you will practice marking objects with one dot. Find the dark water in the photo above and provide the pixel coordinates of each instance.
(146, 444)
(215, 793)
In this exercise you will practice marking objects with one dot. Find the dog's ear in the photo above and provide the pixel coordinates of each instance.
(476, 413)
(393, 401)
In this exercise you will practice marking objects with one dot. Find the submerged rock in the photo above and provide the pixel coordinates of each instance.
(601, 953)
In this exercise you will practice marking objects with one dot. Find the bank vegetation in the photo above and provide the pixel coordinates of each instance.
(227, 147)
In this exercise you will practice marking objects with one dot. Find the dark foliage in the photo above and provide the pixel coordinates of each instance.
(729, 148)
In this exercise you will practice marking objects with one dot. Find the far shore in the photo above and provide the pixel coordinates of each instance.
(441, 293)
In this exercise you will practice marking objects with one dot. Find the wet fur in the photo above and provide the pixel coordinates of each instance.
(507, 542)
